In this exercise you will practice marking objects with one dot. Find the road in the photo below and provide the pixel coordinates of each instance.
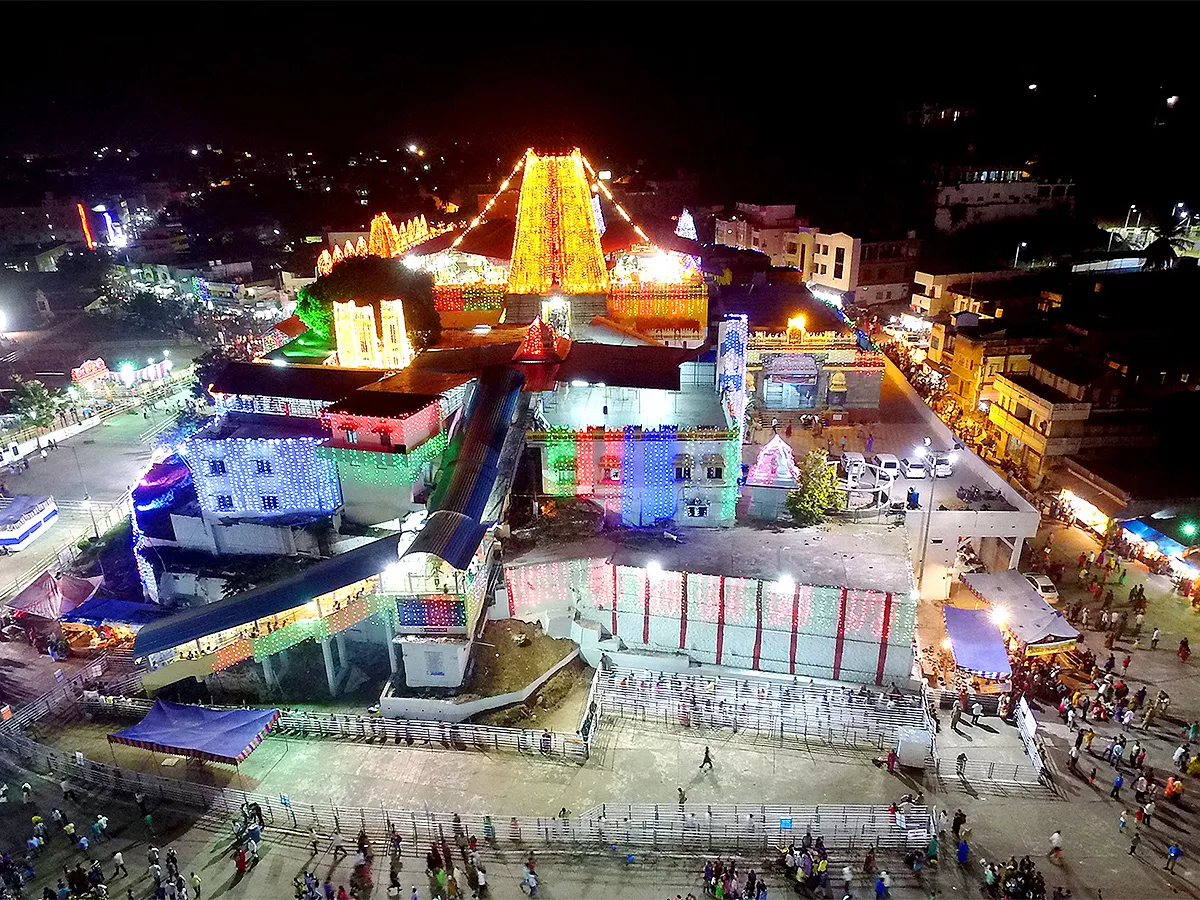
(103, 462)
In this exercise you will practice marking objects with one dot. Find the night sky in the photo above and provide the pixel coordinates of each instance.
(761, 99)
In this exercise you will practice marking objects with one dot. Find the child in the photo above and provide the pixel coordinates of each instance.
(1121, 821)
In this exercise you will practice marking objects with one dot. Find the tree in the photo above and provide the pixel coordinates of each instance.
(34, 402)
(817, 491)
(149, 314)
(373, 279)
(1168, 239)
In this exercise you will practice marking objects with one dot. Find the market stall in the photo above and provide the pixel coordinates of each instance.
(977, 646)
(1028, 621)
(217, 735)
(106, 622)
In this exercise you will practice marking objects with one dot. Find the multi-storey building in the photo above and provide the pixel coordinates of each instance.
(971, 350)
(969, 196)
(1062, 405)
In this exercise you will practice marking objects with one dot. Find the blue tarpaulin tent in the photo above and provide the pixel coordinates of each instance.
(220, 735)
(976, 642)
(110, 611)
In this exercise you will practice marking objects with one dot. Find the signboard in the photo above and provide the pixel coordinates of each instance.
(785, 824)
(285, 800)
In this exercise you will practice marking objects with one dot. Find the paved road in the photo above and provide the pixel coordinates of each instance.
(103, 462)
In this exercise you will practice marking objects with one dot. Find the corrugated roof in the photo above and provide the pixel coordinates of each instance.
(473, 461)
(325, 383)
(296, 590)
(625, 365)
(450, 536)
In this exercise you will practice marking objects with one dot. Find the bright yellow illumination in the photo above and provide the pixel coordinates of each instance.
(557, 242)
(363, 346)
(999, 615)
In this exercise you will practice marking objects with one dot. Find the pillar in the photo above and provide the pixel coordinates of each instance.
(389, 634)
(343, 661)
(269, 674)
(330, 671)
(1015, 559)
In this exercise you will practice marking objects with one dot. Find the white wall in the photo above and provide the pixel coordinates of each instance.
(435, 663)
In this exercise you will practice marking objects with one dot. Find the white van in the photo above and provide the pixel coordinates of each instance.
(887, 465)
(854, 464)
(912, 467)
(942, 463)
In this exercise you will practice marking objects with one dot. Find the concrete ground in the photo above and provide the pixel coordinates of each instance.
(204, 846)
(110, 459)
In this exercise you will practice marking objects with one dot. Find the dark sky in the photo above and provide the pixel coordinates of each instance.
(730, 89)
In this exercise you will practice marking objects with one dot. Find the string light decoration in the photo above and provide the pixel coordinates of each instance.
(363, 345)
(469, 297)
(686, 227)
(658, 450)
(560, 460)
(556, 245)
(376, 467)
(482, 217)
(585, 464)
(232, 654)
(385, 242)
(409, 430)
(262, 476)
(87, 229)
(540, 344)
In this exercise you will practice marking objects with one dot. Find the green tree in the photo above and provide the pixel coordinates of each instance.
(817, 491)
(372, 279)
(146, 313)
(35, 403)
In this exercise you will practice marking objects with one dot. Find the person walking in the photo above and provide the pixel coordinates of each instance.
(1173, 854)
(976, 712)
(707, 759)
(682, 797)
(1138, 621)
(1073, 758)
(960, 765)
(1148, 812)
(1122, 821)
(119, 865)
(1125, 663)
(1115, 793)
(1133, 843)
(955, 717)
(1055, 844)
(1154, 638)
(195, 886)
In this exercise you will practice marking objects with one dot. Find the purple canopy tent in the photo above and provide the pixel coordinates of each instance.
(219, 735)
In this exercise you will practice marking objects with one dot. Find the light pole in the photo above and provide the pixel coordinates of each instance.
(87, 498)
(932, 458)
(1125, 228)
(1017, 255)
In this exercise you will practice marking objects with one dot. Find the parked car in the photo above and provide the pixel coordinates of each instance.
(942, 467)
(912, 468)
(1044, 586)
(886, 465)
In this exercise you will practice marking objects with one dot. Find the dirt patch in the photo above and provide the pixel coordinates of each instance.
(556, 705)
(510, 655)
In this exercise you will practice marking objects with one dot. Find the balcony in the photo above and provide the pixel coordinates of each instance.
(1046, 445)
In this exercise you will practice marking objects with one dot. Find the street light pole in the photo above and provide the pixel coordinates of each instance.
(87, 498)
(1017, 255)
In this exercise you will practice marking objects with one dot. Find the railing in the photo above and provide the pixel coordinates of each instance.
(457, 736)
(672, 827)
(985, 770)
(786, 710)
(708, 827)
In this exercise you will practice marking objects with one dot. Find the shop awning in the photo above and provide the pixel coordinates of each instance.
(1089, 493)
(1024, 612)
(220, 735)
(50, 598)
(1148, 533)
(976, 642)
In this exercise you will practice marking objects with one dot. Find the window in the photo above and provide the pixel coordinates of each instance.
(792, 247)
(698, 510)
(216, 467)
(262, 467)
(838, 270)
(889, 295)
(270, 502)
(351, 436)
(715, 473)
(839, 255)
(224, 502)
(824, 269)
(385, 438)
(935, 342)
(683, 473)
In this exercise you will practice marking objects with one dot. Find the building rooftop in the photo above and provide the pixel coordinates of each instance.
(382, 404)
(1072, 367)
(1039, 389)
(323, 383)
(867, 557)
(252, 426)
